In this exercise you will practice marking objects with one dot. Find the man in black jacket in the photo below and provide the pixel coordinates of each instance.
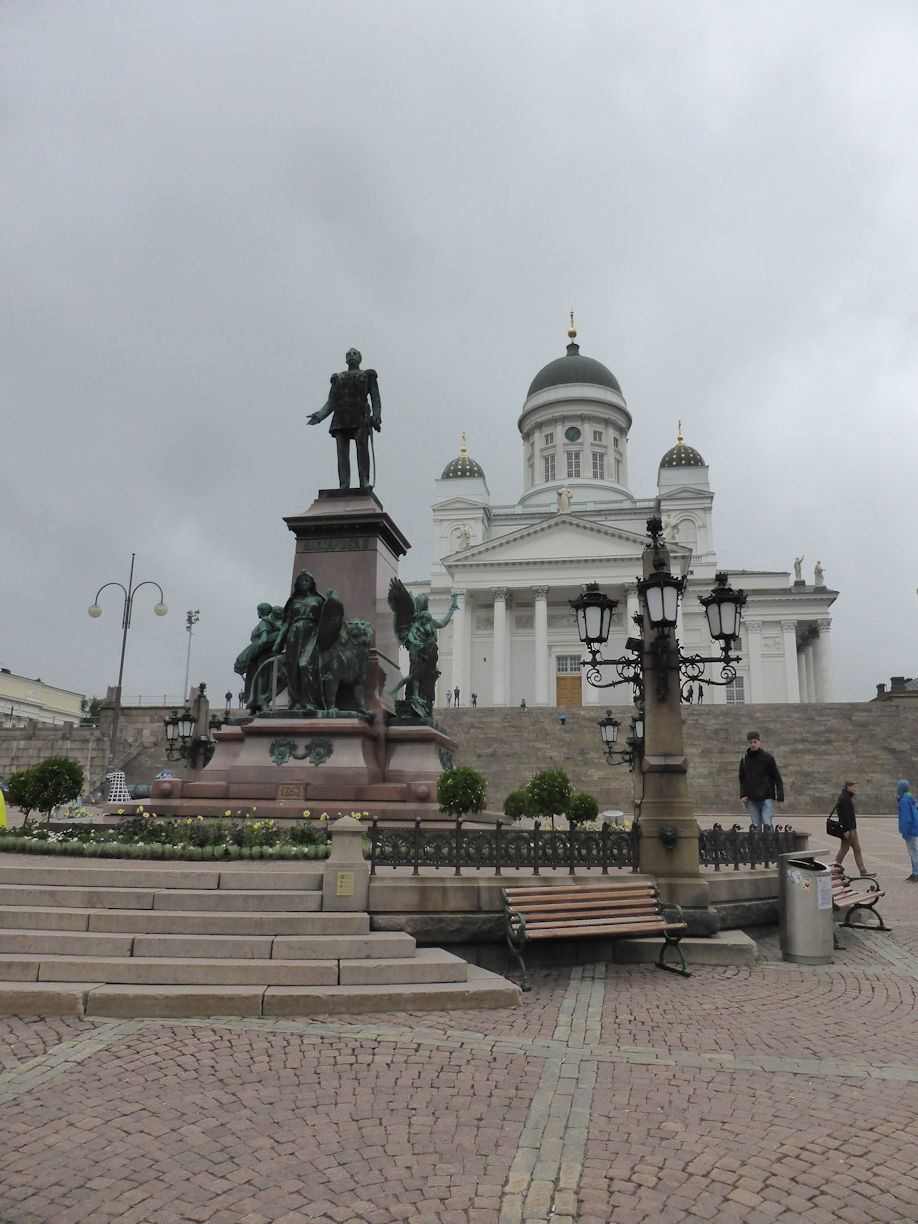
(760, 782)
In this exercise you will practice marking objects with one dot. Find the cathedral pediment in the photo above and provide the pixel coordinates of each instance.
(561, 539)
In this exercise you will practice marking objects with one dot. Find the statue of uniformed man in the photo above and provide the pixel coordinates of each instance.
(354, 406)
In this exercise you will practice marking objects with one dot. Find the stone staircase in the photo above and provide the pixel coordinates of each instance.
(817, 747)
(241, 939)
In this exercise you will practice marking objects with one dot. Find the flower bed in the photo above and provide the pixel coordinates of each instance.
(142, 835)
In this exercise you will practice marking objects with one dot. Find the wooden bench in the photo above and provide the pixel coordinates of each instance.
(854, 894)
(613, 910)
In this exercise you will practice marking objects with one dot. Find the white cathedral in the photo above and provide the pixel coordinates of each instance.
(514, 568)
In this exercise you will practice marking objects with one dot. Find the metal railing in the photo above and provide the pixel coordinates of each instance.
(508, 847)
(738, 847)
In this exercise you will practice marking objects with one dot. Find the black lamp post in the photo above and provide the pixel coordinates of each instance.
(655, 664)
(181, 741)
(634, 745)
(660, 592)
(95, 610)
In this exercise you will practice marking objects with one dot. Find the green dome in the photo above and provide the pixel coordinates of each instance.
(573, 368)
(462, 466)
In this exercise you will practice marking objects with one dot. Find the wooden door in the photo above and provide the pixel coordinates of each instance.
(568, 691)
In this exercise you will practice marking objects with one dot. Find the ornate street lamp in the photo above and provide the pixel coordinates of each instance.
(593, 610)
(723, 608)
(95, 610)
(660, 592)
(608, 730)
(181, 741)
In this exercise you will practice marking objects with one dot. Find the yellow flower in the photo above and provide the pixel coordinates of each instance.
(306, 814)
(227, 812)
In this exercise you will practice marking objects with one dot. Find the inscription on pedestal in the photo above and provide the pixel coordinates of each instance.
(291, 790)
(345, 884)
(345, 544)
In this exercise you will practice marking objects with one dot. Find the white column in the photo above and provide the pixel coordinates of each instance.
(754, 653)
(801, 672)
(540, 624)
(460, 669)
(810, 678)
(499, 649)
(791, 678)
(822, 662)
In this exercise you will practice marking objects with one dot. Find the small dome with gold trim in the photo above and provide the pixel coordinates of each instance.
(462, 466)
(681, 455)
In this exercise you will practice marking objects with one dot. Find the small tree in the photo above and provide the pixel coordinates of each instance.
(582, 808)
(517, 805)
(44, 786)
(461, 790)
(90, 710)
(549, 793)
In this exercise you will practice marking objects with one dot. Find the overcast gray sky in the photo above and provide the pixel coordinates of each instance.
(205, 203)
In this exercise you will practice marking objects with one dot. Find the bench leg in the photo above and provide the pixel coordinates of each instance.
(879, 925)
(518, 953)
(661, 960)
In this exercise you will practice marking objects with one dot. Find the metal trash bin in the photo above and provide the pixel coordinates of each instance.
(805, 909)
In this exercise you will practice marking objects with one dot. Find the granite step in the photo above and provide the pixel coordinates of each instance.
(370, 945)
(159, 898)
(481, 989)
(428, 965)
(253, 875)
(184, 922)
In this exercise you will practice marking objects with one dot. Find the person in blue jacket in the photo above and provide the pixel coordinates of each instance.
(908, 824)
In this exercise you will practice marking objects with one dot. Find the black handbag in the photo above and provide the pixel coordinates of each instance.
(834, 826)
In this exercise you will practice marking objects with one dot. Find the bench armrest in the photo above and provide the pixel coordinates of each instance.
(869, 882)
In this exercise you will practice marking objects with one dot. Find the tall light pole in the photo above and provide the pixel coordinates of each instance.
(129, 592)
(191, 619)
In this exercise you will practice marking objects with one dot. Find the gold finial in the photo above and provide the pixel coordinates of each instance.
(572, 330)
(463, 452)
(679, 438)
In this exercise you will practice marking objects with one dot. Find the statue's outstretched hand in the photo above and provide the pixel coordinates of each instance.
(313, 419)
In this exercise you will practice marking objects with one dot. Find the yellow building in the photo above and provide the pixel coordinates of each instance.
(23, 700)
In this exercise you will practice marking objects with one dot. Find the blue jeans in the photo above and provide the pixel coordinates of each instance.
(912, 843)
(761, 812)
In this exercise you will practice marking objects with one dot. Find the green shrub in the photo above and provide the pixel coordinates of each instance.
(461, 790)
(549, 793)
(582, 808)
(44, 786)
(517, 805)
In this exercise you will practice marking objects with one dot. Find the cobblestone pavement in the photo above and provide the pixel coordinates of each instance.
(772, 1093)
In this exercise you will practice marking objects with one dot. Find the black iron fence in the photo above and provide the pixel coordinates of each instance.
(738, 847)
(508, 847)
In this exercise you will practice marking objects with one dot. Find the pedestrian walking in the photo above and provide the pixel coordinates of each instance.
(908, 824)
(689, 694)
(456, 696)
(844, 810)
(760, 782)
(563, 720)
(474, 699)
(449, 698)
(700, 693)
(523, 703)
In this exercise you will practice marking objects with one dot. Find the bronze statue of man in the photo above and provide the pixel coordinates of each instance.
(354, 405)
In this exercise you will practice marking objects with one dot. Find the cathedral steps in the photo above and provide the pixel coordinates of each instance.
(817, 748)
(78, 938)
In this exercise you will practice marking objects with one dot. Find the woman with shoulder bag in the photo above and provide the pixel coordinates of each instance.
(849, 840)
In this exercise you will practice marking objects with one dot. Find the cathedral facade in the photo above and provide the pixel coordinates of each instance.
(515, 568)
